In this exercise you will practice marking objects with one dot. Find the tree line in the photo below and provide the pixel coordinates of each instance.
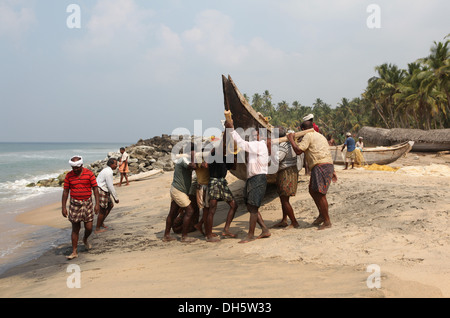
(415, 97)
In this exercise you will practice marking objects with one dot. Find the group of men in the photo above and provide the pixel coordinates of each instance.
(189, 194)
(318, 159)
(210, 186)
(79, 184)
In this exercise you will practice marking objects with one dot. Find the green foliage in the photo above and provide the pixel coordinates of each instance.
(418, 97)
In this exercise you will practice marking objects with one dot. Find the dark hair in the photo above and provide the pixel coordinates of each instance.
(111, 161)
(281, 131)
(122, 148)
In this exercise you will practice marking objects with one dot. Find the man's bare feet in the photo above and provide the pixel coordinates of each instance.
(228, 234)
(168, 238)
(324, 226)
(87, 245)
(280, 224)
(291, 226)
(264, 234)
(247, 239)
(72, 256)
(99, 230)
(212, 239)
(318, 221)
(187, 239)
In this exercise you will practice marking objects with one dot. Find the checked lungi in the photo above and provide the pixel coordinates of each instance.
(104, 199)
(81, 211)
(287, 180)
(321, 176)
(218, 190)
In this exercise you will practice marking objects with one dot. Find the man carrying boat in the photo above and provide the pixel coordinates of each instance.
(179, 193)
(320, 162)
(256, 183)
(287, 180)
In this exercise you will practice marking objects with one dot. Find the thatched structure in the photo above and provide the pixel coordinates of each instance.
(424, 140)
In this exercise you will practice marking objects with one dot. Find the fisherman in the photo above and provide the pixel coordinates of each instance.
(199, 190)
(123, 166)
(287, 180)
(320, 162)
(350, 156)
(256, 183)
(106, 190)
(218, 190)
(179, 193)
(310, 117)
(79, 184)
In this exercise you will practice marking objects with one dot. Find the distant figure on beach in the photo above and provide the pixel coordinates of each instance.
(350, 156)
(218, 190)
(331, 141)
(123, 166)
(360, 144)
(106, 190)
(80, 183)
(287, 180)
(179, 193)
(320, 162)
(256, 183)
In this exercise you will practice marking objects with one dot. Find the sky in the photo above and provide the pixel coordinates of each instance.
(124, 70)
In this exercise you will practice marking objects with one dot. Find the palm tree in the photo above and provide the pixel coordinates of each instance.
(436, 77)
(381, 91)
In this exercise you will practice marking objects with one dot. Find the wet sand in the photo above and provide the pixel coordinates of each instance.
(396, 220)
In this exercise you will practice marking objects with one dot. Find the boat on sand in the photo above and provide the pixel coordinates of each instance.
(244, 116)
(377, 155)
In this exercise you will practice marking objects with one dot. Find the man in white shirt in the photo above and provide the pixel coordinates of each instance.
(255, 186)
(106, 189)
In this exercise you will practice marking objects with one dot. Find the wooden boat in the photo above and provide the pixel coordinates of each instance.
(377, 155)
(245, 117)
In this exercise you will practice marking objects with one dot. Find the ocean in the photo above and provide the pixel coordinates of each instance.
(22, 163)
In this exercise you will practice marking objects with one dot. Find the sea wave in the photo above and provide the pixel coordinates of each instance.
(18, 191)
(9, 250)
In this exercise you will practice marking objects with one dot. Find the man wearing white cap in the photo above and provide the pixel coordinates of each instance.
(320, 162)
(310, 118)
(80, 182)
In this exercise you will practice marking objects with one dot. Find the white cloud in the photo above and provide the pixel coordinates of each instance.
(212, 38)
(15, 19)
(116, 27)
(165, 59)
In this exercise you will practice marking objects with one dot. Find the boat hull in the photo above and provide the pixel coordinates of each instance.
(376, 155)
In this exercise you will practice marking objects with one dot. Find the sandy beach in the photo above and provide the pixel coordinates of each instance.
(396, 220)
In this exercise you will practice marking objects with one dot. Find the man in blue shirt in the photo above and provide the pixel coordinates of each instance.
(351, 155)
